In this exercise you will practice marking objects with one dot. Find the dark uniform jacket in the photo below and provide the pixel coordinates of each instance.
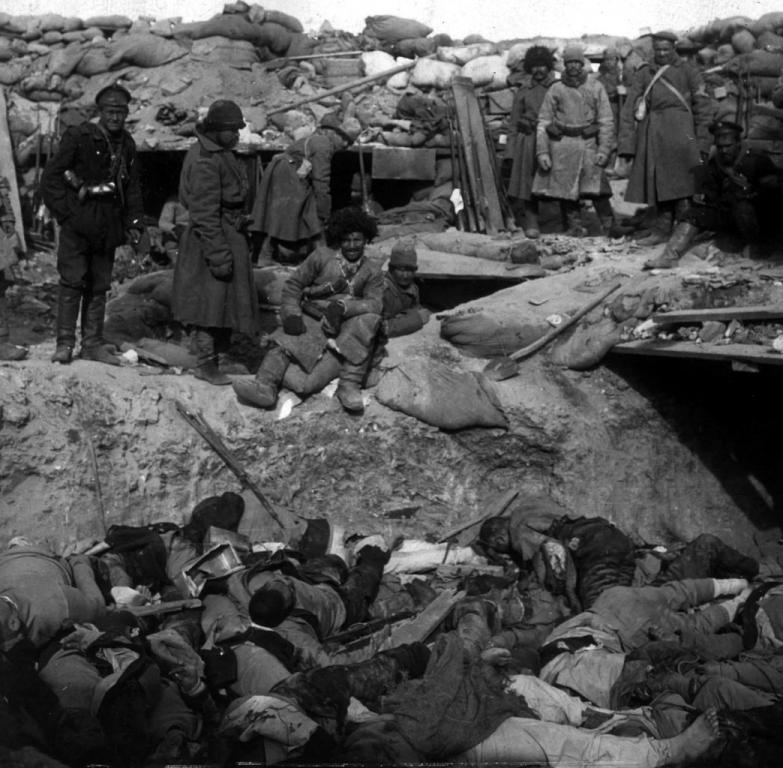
(85, 150)
(400, 308)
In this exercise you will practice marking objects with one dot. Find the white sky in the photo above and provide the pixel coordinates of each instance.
(495, 19)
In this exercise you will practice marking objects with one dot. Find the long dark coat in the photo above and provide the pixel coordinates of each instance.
(290, 208)
(521, 146)
(212, 187)
(666, 145)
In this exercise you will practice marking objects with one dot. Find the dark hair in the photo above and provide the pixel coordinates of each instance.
(538, 56)
(270, 604)
(491, 529)
(348, 220)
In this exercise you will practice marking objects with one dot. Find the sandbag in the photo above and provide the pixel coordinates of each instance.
(767, 22)
(515, 55)
(52, 37)
(300, 45)
(429, 73)
(375, 62)
(724, 54)
(743, 41)
(147, 283)
(12, 73)
(95, 61)
(769, 39)
(390, 29)
(108, 22)
(228, 25)
(438, 395)
(707, 56)
(489, 71)
(64, 61)
(587, 345)
(146, 51)
(415, 47)
(269, 282)
(399, 81)
(276, 37)
(463, 54)
(236, 53)
(6, 52)
(291, 23)
(759, 63)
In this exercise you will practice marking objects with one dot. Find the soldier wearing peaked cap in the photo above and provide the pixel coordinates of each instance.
(294, 198)
(663, 133)
(91, 186)
(741, 194)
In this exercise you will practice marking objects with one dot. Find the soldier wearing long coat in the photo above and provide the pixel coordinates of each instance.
(521, 146)
(668, 142)
(213, 277)
(574, 138)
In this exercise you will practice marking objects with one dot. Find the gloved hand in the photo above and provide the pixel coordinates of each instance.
(294, 325)
(222, 271)
(333, 318)
(545, 163)
(601, 159)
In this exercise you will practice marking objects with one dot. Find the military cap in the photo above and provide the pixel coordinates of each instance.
(113, 93)
(573, 53)
(403, 254)
(725, 126)
(665, 34)
(224, 115)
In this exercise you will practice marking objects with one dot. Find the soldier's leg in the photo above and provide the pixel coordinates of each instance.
(8, 351)
(73, 266)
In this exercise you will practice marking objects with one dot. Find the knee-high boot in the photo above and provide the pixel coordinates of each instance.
(207, 368)
(68, 301)
(262, 390)
(349, 390)
(94, 346)
(8, 351)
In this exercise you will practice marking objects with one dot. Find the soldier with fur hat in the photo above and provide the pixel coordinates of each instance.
(91, 186)
(521, 146)
(214, 291)
(294, 198)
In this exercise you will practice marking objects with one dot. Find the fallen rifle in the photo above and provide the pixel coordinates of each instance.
(506, 367)
(161, 609)
(365, 628)
(196, 420)
(495, 509)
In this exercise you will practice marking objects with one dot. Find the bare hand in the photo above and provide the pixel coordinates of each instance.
(601, 159)
(545, 163)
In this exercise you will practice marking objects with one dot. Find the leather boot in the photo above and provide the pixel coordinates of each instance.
(68, 301)
(8, 351)
(572, 214)
(678, 244)
(531, 220)
(349, 390)
(262, 390)
(660, 230)
(606, 216)
(207, 368)
(94, 347)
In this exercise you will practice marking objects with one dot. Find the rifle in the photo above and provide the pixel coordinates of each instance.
(367, 628)
(196, 420)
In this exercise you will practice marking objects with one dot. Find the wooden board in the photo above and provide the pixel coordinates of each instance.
(725, 314)
(418, 629)
(479, 166)
(496, 507)
(438, 265)
(8, 167)
(745, 353)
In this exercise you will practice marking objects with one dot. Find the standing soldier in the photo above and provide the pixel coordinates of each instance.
(8, 258)
(294, 198)
(574, 138)
(213, 277)
(663, 129)
(538, 64)
(91, 186)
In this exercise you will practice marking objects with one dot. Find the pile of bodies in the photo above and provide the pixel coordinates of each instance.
(566, 644)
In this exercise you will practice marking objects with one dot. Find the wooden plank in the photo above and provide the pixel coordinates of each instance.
(423, 625)
(495, 508)
(8, 167)
(754, 312)
(747, 353)
(479, 162)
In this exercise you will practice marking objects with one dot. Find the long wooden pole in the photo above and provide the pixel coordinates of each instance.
(346, 87)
